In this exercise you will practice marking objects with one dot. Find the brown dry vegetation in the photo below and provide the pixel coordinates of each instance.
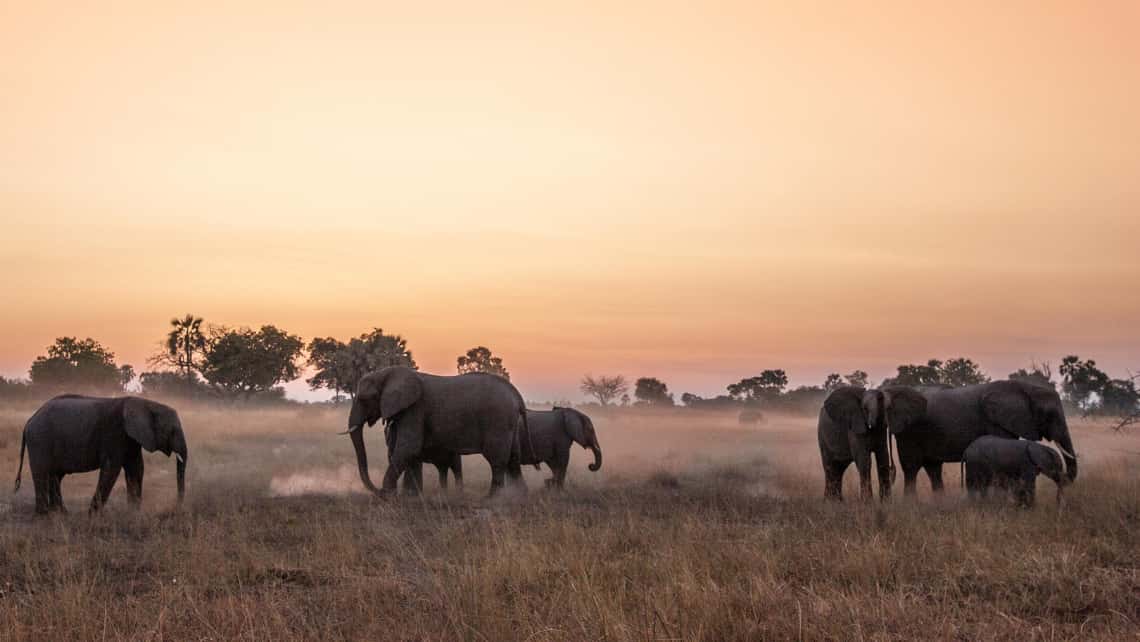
(696, 528)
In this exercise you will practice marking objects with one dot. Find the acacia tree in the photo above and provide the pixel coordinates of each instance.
(74, 363)
(859, 378)
(245, 361)
(480, 359)
(652, 391)
(332, 366)
(604, 389)
(770, 383)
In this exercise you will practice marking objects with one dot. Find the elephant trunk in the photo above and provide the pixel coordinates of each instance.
(181, 475)
(597, 456)
(356, 433)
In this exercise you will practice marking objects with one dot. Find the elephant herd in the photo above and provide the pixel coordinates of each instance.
(993, 428)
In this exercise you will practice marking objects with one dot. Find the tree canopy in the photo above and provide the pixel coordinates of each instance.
(604, 389)
(76, 364)
(245, 362)
(652, 391)
(480, 359)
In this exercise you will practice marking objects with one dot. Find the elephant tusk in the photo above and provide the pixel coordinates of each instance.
(1067, 453)
(179, 458)
(350, 429)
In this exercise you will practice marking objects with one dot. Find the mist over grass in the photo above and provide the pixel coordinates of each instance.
(697, 528)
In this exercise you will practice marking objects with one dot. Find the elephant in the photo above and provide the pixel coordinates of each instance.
(77, 434)
(853, 425)
(475, 413)
(551, 434)
(1013, 464)
(955, 417)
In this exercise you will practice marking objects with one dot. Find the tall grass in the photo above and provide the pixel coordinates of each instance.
(696, 529)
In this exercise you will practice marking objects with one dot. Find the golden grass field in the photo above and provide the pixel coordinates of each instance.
(696, 528)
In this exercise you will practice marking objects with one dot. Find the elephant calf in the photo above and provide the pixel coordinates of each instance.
(549, 437)
(77, 434)
(1013, 464)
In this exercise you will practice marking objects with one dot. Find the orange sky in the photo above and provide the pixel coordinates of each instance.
(692, 192)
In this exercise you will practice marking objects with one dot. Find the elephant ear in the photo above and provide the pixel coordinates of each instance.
(573, 426)
(1007, 406)
(401, 389)
(1045, 401)
(139, 422)
(905, 406)
(845, 407)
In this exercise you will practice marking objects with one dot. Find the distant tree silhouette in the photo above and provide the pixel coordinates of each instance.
(373, 351)
(184, 349)
(769, 384)
(76, 364)
(859, 378)
(247, 362)
(166, 383)
(1040, 374)
(961, 372)
(918, 375)
(1081, 380)
(126, 375)
(604, 389)
(953, 372)
(332, 366)
(652, 391)
(832, 382)
(480, 359)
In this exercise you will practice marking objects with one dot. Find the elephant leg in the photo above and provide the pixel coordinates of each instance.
(457, 470)
(108, 474)
(1027, 490)
(56, 493)
(934, 472)
(442, 469)
(413, 480)
(498, 475)
(883, 464)
(133, 471)
(407, 441)
(42, 483)
(863, 464)
(833, 479)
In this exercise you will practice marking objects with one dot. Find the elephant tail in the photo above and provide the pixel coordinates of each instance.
(20, 469)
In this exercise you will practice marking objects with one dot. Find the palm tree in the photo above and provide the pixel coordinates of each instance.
(185, 344)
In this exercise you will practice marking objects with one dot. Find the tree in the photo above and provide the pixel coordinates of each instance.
(961, 372)
(917, 375)
(653, 392)
(769, 384)
(832, 382)
(247, 362)
(1040, 374)
(126, 375)
(859, 378)
(604, 389)
(171, 384)
(373, 351)
(73, 363)
(332, 366)
(479, 359)
(184, 348)
(1080, 380)
(689, 399)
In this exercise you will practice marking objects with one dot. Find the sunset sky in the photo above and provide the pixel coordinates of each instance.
(694, 191)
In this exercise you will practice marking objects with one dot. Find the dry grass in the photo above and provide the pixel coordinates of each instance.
(697, 528)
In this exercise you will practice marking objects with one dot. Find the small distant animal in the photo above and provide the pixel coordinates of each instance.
(1013, 464)
(751, 417)
(76, 434)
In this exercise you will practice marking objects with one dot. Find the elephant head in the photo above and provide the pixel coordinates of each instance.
(860, 410)
(380, 395)
(157, 427)
(1033, 412)
(905, 407)
(580, 429)
(1048, 463)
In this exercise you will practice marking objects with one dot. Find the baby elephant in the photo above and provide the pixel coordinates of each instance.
(1013, 464)
(548, 438)
(75, 434)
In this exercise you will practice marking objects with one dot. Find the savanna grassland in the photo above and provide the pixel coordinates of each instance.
(696, 528)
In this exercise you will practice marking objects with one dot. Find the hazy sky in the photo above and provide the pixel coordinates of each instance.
(684, 190)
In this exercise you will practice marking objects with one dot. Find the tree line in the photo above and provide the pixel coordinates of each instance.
(200, 360)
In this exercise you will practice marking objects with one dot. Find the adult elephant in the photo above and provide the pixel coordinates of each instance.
(853, 426)
(550, 436)
(467, 414)
(955, 417)
(77, 434)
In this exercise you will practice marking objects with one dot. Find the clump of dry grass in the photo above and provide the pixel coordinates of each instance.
(702, 532)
